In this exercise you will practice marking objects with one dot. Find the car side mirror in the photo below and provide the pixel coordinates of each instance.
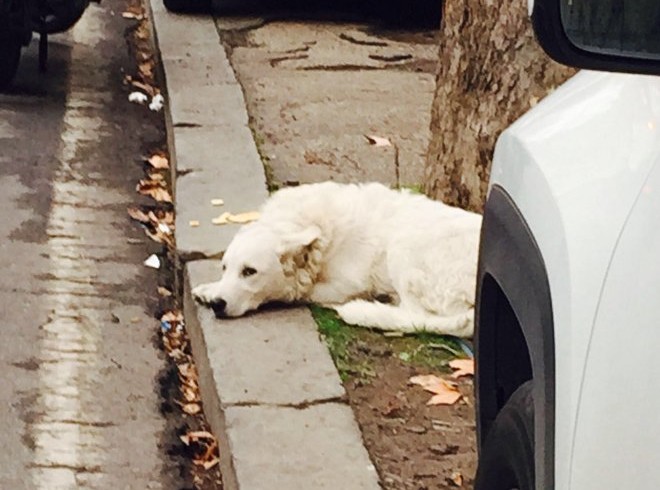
(611, 35)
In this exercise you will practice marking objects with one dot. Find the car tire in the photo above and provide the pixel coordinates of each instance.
(506, 461)
(10, 53)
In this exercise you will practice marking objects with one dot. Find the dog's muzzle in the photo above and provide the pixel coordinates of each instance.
(219, 307)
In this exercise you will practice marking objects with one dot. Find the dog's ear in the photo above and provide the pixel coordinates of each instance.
(299, 240)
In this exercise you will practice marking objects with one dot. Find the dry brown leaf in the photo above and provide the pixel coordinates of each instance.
(463, 367)
(211, 463)
(377, 140)
(243, 217)
(456, 478)
(132, 15)
(158, 162)
(172, 316)
(191, 408)
(154, 189)
(138, 215)
(444, 392)
(200, 434)
(222, 219)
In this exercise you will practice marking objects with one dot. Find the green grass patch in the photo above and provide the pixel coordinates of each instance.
(355, 350)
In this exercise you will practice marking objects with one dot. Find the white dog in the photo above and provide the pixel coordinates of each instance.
(345, 245)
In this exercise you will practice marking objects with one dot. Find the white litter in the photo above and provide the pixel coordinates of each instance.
(153, 261)
(157, 103)
(138, 97)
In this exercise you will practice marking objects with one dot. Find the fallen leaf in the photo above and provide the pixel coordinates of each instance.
(243, 217)
(131, 15)
(463, 367)
(377, 140)
(200, 434)
(138, 215)
(217, 202)
(210, 464)
(142, 86)
(222, 219)
(456, 478)
(444, 392)
(153, 189)
(158, 161)
(191, 408)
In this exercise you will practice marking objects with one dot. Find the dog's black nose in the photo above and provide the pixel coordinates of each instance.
(218, 306)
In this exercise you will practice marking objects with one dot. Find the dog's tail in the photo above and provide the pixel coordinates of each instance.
(390, 317)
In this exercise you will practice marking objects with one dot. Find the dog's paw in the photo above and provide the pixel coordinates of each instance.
(205, 294)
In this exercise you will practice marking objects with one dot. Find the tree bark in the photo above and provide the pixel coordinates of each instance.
(490, 71)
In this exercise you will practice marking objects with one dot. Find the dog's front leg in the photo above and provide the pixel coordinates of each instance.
(208, 293)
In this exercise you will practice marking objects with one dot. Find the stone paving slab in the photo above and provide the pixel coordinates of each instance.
(318, 447)
(273, 357)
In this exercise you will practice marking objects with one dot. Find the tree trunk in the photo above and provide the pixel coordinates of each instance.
(491, 71)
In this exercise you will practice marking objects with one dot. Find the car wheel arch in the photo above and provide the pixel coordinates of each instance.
(514, 334)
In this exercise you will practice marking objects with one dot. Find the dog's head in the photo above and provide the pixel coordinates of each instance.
(262, 265)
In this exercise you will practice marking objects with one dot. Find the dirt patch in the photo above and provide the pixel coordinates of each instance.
(413, 445)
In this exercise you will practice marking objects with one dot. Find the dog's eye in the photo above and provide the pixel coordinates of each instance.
(248, 271)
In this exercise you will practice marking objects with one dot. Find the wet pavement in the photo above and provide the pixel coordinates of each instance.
(80, 391)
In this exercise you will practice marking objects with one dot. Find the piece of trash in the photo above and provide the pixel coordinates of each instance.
(217, 202)
(463, 367)
(194, 223)
(153, 261)
(157, 102)
(444, 392)
(158, 162)
(138, 97)
(243, 217)
(377, 140)
(222, 219)
(404, 356)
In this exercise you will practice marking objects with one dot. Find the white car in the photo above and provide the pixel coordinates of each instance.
(568, 299)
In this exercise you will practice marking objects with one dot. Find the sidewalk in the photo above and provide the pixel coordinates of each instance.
(271, 392)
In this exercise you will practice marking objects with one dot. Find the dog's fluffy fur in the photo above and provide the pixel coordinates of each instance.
(345, 245)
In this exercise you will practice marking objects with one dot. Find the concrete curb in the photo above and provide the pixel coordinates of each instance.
(271, 392)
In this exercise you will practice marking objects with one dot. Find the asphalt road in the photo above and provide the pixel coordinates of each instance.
(79, 396)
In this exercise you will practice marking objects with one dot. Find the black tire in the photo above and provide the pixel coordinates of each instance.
(507, 458)
(10, 53)
(188, 6)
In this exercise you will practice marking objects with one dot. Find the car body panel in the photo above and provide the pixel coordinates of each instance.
(574, 166)
(617, 436)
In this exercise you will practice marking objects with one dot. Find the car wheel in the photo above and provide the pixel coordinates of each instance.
(507, 458)
(10, 53)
